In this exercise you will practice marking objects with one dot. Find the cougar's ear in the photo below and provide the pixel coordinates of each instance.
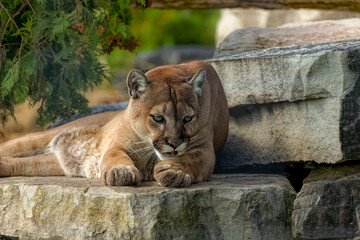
(198, 81)
(136, 83)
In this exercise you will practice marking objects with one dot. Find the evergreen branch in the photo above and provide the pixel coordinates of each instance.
(20, 9)
(7, 13)
(32, 9)
(10, 44)
(53, 48)
(4, 31)
(52, 51)
(20, 49)
(42, 37)
(13, 21)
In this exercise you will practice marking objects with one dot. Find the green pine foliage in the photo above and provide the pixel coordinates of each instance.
(49, 52)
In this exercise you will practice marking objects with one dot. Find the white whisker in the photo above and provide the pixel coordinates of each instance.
(140, 150)
(141, 142)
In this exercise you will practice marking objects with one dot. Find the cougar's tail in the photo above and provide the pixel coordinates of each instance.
(39, 165)
(28, 145)
(29, 156)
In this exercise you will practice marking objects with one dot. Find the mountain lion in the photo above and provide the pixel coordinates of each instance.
(176, 121)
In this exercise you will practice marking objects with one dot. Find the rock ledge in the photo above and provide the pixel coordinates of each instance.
(241, 206)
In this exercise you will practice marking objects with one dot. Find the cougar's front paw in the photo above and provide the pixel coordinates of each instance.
(168, 175)
(121, 176)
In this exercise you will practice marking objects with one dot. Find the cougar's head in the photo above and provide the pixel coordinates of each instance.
(164, 108)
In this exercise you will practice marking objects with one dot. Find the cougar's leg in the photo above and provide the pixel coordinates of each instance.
(39, 165)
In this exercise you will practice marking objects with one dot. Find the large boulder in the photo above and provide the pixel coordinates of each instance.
(228, 207)
(327, 207)
(237, 18)
(292, 104)
(257, 38)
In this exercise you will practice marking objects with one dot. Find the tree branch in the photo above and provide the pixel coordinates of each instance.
(20, 9)
(13, 21)
(32, 9)
(10, 17)
(3, 33)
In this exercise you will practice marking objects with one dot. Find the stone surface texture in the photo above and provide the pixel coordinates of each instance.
(327, 207)
(228, 207)
(288, 74)
(257, 38)
(340, 171)
(238, 18)
(297, 103)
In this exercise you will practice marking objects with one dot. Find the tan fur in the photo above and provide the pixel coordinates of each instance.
(173, 127)
(2, 136)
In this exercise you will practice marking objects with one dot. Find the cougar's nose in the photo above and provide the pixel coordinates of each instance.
(173, 143)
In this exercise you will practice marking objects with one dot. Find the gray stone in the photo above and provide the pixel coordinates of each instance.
(237, 18)
(296, 103)
(328, 208)
(334, 172)
(257, 38)
(289, 73)
(228, 207)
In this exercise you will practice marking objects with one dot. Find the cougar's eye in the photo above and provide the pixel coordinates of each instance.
(158, 118)
(187, 119)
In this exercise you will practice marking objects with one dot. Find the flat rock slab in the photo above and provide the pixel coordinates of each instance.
(289, 74)
(328, 208)
(257, 38)
(299, 103)
(228, 207)
(240, 18)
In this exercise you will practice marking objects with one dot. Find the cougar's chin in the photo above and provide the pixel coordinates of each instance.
(168, 152)
(166, 155)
